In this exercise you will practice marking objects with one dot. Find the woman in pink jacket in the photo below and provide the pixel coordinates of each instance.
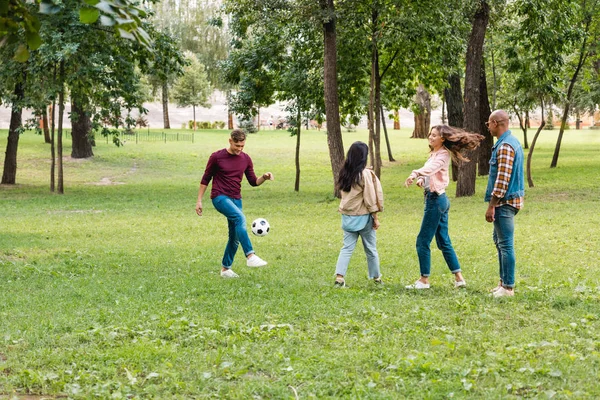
(445, 143)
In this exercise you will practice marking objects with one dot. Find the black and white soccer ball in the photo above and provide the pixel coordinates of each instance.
(260, 227)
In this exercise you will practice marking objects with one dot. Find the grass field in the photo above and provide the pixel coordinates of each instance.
(113, 289)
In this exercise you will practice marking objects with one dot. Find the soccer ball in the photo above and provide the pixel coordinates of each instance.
(260, 227)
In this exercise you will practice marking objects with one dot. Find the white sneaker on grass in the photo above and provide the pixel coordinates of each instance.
(228, 273)
(255, 261)
(418, 285)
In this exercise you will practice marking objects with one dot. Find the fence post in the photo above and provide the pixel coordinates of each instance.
(165, 136)
(178, 136)
(192, 137)
(136, 137)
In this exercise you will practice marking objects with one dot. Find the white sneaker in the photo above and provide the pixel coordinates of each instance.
(255, 261)
(503, 292)
(460, 284)
(228, 273)
(418, 285)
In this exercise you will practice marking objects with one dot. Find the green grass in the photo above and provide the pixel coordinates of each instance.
(113, 291)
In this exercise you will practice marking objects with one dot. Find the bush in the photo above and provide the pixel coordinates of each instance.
(204, 125)
(219, 125)
(248, 126)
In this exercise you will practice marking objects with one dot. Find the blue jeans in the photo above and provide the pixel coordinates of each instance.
(504, 239)
(435, 223)
(369, 240)
(236, 220)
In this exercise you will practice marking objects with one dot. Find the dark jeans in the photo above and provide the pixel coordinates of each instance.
(435, 223)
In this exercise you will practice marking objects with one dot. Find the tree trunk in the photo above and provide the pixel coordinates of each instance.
(423, 115)
(465, 185)
(229, 120)
(530, 153)
(81, 128)
(454, 104)
(527, 125)
(45, 125)
(297, 158)
(332, 109)
(396, 120)
(387, 139)
(52, 143)
(194, 116)
(165, 105)
(9, 175)
(485, 148)
(375, 99)
(61, 112)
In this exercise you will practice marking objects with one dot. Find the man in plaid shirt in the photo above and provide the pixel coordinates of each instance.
(505, 191)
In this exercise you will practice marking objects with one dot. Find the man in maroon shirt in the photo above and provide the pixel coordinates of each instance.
(226, 168)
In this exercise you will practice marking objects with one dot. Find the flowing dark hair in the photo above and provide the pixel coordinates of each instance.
(455, 140)
(356, 161)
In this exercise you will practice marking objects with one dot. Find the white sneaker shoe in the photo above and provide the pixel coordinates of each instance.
(228, 273)
(460, 284)
(503, 292)
(418, 285)
(255, 261)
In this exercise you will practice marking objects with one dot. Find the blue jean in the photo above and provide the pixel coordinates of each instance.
(236, 220)
(369, 240)
(504, 239)
(435, 223)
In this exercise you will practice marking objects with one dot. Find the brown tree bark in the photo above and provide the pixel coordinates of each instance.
(81, 129)
(60, 188)
(332, 108)
(9, 175)
(454, 104)
(45, 127)
(297, 156)
(423, 115)
(165, 105)
(465, 185)
(396, 120)
(387, 139)
(485, 148)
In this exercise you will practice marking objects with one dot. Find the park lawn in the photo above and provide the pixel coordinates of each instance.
(112, 290)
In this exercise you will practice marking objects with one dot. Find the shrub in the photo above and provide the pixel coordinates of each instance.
(248, 126)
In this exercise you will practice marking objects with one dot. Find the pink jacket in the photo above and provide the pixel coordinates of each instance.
(436, 168)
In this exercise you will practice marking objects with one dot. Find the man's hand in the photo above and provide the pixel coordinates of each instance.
(490, 214)
(199, 208)
(268, 176)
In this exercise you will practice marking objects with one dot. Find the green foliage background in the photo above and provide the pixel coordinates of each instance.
(113, 290)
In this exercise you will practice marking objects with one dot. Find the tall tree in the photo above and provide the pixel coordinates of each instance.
(472, 99)
(192, 88)
(332, 107)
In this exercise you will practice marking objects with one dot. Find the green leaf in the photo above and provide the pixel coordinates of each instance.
(91, 2)
(34, 41)
(22, 54)
(88, 15)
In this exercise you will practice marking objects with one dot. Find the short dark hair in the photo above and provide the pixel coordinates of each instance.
(238, 135)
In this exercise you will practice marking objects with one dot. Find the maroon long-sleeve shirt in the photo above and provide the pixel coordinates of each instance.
(226, 171)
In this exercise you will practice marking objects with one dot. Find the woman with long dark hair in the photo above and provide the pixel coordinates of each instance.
(362, 199)
(445, 143)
